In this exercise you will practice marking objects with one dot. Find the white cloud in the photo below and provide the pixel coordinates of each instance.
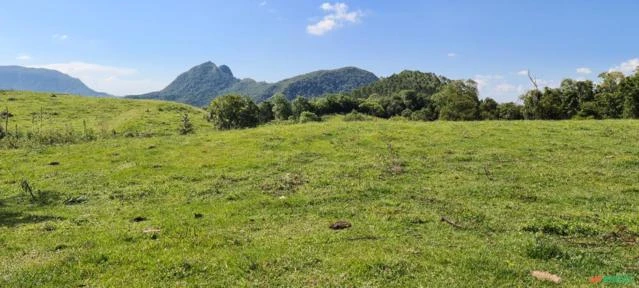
(627, 67)
(498, 87)
(23, 57)
(337, 15)
(584, 70)
(523, 73)
(60, 37)
(113, 80)
(506, 88)
(452, 54)
(547, 83)
(484, 80)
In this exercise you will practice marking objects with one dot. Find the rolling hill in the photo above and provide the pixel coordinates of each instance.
(32, 112)
(42, 80)
(431, 204)
(204, 82)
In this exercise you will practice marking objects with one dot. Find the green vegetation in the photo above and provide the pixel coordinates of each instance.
(616, 97)
(426, 97)
(432, 204)
(203, 83)
(233, 112)
(33, 119)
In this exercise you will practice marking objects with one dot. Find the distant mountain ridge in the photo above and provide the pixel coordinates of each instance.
(205, 82)
(43, 80)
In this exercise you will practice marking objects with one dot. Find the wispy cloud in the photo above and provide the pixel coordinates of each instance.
(627, 67)
(523, 73)
(83, 68)
(263, 3)
(337, 15)
(23, 57)
(60, 37)
(498, 87)
(452, 54)
(584, 70)
(110, 79)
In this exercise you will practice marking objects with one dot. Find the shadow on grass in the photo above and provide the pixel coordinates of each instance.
(12, 219)
(14, 214)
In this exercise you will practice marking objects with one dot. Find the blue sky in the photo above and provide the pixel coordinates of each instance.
(127, 47)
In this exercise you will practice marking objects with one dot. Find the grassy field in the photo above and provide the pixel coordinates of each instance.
(46, 112)
(253, 207)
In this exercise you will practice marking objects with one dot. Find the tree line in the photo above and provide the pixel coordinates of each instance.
(427, 97)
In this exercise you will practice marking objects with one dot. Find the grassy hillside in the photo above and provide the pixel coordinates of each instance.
(44, 112)
(253, 207)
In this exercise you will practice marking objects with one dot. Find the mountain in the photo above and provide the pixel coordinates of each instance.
(204, 82)
(420, 82)
(42, 80)
(321, 82)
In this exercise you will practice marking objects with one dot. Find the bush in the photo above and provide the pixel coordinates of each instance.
(309, 117)
(186, 127)
(424, 114)
(372, 107)
(356, 116)
(233, 112)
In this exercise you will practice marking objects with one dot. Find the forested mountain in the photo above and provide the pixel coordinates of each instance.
(205, 82)
(420, 82)
(322, 82)
(42, 80)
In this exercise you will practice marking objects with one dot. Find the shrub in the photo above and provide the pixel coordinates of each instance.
(309, 117)
(186, 127)
(372, 107)
(424, 114)
(233, 112)
(356, 116)
(406, 113)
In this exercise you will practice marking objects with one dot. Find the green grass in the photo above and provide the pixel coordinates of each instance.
(42, 112)
(527, 195)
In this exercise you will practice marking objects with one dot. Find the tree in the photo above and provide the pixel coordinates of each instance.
(488, 109)
(510, 111)
(299, 105)
(630, 89)
(335, 104)
(458, 100)
(570, 103)
(393, 105)
(412, 100)
(281, 107)
(550, 105)
(608, 100)
(372, 107)
(233, 112)
(531, 109)
(186, 127)
(266, 112)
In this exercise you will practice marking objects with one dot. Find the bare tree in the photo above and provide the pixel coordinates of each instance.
(533, 79)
